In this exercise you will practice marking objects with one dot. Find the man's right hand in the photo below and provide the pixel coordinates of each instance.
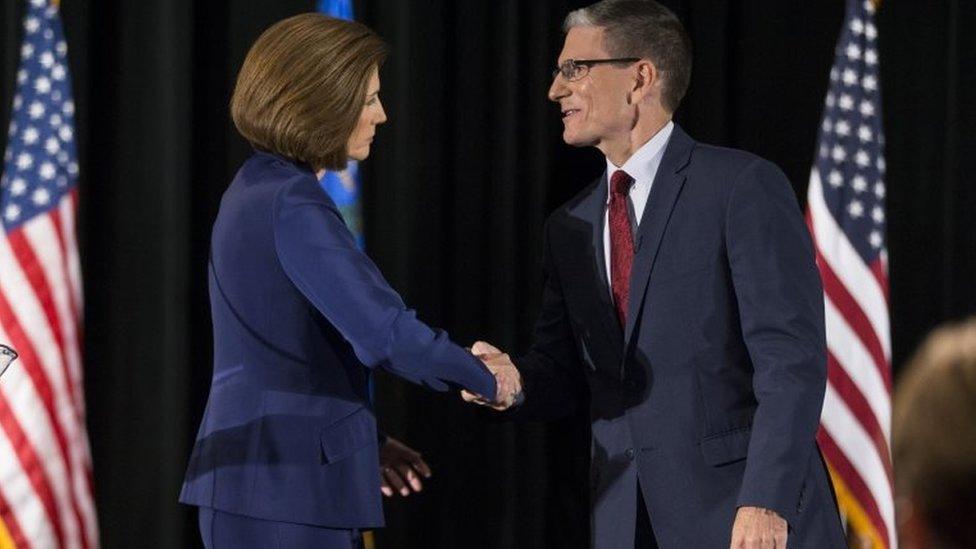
(507, 377)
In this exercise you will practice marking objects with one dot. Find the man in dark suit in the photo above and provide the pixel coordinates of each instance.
(682, 301)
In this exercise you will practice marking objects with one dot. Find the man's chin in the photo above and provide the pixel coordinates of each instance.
(575, 140)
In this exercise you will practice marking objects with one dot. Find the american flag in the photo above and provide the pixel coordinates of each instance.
(846, 215)
(45, 463)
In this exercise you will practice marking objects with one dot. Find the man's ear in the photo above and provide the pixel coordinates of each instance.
(648, 81)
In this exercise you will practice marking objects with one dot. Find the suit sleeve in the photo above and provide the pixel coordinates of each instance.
(552, 377)
(320, 256)
(781, 313)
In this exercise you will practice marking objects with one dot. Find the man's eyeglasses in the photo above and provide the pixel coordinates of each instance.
(574, 69)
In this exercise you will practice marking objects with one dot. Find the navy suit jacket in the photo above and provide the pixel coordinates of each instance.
(711, 394)
(300, 315)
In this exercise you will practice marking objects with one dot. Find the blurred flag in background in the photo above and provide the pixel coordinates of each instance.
(46, 490)
(343, 186)
(847, 219)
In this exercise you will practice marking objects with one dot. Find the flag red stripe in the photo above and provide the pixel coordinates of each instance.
(76, 315)
(32, 365)
(880, 274)
(77, 304)
(11, 524)
(63, 238)
(79, 333)
(55, 215)
(854, 316)
(37, 278)
(854, 399)
(31, 465)
(838, 460)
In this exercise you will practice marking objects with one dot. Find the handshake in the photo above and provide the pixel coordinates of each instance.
(507, 378)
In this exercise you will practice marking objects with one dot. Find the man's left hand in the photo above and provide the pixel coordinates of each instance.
(758, 528)
(401, 468)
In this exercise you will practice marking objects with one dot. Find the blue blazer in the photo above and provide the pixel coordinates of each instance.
(300, 315)
(710, 396)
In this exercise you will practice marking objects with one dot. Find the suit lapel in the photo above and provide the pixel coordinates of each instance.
(664, 193)
(591, 209)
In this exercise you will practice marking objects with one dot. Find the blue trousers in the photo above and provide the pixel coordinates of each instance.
(221, 530)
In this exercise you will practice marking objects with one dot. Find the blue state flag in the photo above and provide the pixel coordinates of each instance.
(343, 186)
(337, 8)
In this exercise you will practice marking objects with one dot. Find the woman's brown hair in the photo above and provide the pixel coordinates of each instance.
(303, 85)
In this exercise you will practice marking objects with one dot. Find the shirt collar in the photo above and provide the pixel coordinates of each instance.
(642, 165)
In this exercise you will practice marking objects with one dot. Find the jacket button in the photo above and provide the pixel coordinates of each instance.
(630, 453)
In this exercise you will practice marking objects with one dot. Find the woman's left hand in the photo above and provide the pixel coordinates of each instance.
(401, 469)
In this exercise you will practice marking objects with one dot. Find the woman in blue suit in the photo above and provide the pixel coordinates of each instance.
(286, 455)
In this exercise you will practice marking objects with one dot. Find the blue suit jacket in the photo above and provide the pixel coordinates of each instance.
(299, 316)
(710, 396)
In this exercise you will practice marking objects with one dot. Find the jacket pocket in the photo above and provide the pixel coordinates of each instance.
(727, 447)
(348, 435)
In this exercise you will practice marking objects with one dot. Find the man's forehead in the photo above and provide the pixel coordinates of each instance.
(583, 43)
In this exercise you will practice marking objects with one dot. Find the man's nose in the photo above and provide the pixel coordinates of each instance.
(557, 90)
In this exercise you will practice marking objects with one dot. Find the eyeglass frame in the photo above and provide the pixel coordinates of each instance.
(587, 64)
(8, 356)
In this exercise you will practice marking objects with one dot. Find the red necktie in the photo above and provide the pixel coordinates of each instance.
(621, 243)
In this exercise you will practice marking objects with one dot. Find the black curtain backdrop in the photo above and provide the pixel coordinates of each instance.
(455, 195)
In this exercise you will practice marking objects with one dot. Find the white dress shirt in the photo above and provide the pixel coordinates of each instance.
(642, 167)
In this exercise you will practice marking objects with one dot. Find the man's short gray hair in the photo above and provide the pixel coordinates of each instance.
(643, 28)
